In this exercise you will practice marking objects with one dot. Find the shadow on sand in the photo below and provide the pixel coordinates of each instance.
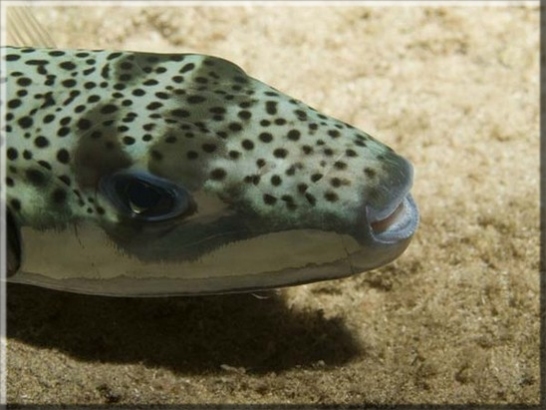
(186, 335)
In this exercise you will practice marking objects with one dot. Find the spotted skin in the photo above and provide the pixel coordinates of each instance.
(75, 117)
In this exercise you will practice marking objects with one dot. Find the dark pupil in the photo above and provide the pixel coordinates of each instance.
(144, 198)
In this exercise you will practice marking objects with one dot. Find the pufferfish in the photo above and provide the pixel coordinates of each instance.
(144, 174)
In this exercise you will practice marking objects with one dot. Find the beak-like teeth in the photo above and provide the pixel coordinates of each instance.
(400, 224)
(384, 224)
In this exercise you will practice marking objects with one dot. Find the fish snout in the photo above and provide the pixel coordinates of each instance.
(389, 211)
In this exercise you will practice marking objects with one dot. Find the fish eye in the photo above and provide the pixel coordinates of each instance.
(146, 197)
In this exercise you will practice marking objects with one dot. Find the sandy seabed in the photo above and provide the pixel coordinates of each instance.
(454, 320)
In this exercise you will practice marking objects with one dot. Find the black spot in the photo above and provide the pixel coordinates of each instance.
(186, 68)
(67, 65)
(209, 148)
(244, 115)
(162, 96)
(58, 196)
(16, 204)
(280, 121)
(114, 55)
(41, 142)
(180, 113)
(150, 82)
(65, 179)
(291, 170)
(48, 118)
(218, 174)
(25, 122)
(235, 126)
(340, 165)
(252, 179)
(280, 153)
(12, 153)
(121, 86)
(158, 156)
(260, 162)
(154, 105)
(328, 152)
(27, 154)
(265, 123)
(139, 92)
(302, 115)
(44, 164)
(240, 79)
(334, 133)
(269, 199)
(307, 149)
(63, 132)
(360, 143)
(265, 137)
(311, 199)
(234, 154)
(24, 81)
(14, 103)
(276, 180)
(9, 182)
(196, 99)
(69, 83)
(108, 109)
(192, 155)
(93, 98)
(247, 144)
(351, 153)
(294, 135)
(35, 177)
(128, 140)
(331, 196)
(84, 124)
(302, 188)
(12, 57)
(217, 110)
(271, 107)
(370, 173)
(171, 139)
(316, 177)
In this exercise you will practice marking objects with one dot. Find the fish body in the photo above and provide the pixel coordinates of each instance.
(147, 174)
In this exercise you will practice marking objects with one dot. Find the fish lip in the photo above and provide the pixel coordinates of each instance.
(395, 223)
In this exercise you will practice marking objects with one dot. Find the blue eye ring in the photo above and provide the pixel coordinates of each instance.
(143, 196)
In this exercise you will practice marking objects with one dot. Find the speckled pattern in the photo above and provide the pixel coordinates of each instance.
(76, 116)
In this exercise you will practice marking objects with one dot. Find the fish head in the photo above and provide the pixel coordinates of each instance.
(192, 177)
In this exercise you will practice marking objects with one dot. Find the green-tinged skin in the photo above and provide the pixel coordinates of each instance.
(267, 191)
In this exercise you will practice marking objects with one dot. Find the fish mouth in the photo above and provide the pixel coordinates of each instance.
(395, 223)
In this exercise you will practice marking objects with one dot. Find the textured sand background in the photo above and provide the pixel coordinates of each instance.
(455, 319)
